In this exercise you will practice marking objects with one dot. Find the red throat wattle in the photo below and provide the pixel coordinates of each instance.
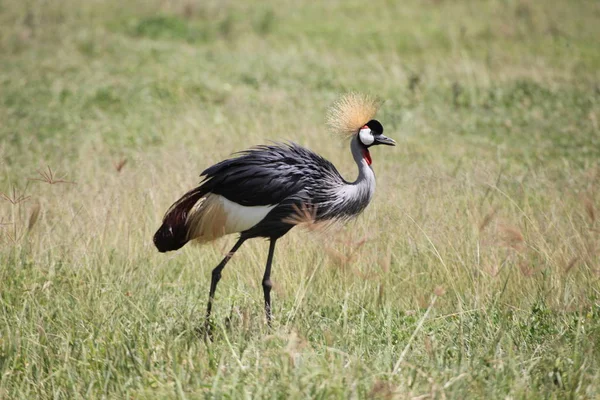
(367, 156)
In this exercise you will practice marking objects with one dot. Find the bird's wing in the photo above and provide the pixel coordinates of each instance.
(267, 175)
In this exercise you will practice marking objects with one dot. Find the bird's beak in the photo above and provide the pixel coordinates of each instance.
(380, 139)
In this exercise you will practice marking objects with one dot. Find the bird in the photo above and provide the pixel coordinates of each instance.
(258, 192)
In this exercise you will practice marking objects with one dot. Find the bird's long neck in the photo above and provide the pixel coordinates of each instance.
(345, 200)
(361, 190)
(363, 160)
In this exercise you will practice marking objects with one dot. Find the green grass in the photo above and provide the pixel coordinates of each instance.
(489, 206)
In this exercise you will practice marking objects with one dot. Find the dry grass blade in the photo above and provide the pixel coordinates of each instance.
(527, 270)
(336, 257)
(382, 390)
(590, 209)
(2, 223)
(305, 216)
(571, 264)
(342, 259)
(33, 217)
(511, 236)
(120, 164)
(15, 198)
(487, 219)
(439, 291)
(48, 177)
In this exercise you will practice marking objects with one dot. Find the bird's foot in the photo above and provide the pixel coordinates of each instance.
(205, 331)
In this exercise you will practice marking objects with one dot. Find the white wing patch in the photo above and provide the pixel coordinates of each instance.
(240, 218)
(214, 216)
(366, 137)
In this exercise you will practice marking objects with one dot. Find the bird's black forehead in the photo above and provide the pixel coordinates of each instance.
(375, 126)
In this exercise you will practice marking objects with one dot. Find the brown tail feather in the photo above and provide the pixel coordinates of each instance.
(173, 233)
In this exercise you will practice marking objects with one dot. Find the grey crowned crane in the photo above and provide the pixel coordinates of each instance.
(259, 192)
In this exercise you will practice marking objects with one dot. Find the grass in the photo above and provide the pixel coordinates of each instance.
(474, 272)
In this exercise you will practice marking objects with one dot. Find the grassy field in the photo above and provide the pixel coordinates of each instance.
(475, 272)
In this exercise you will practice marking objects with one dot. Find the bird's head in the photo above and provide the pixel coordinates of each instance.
(352, 117)
(371, 134)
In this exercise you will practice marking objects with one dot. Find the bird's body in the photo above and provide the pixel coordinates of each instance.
(259, 194)
(261, 191)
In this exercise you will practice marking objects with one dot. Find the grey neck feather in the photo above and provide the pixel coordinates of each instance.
(365, 173)
(363, 188)
(349, 199)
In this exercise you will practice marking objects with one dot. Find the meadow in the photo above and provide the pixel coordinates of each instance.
(474, 273)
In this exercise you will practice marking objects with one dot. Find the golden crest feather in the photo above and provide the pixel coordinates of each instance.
(350, 113)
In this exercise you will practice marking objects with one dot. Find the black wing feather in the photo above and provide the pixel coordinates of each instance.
(267, 175)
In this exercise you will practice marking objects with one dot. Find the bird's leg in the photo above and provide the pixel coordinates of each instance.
(216, 276)
(266, 282)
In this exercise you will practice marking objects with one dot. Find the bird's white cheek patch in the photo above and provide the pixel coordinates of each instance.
(366, 137)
